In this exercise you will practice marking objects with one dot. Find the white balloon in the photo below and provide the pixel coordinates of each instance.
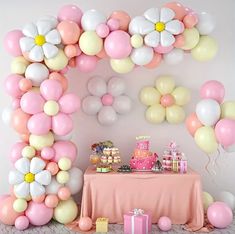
(6, 115)
(91, 19)
(174, 57)
(208, 112)
(140, 25)
(206, 23)
(53, 187)
(97, 86)
(67, 137)
(227, 198)
(37, 73)
(142, 56)
(91, 105)
(107, 115)
(116, 86)
(122, 104)
(75, 180)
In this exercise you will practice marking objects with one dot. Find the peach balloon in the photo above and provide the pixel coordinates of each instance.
(72, 50)
(193, 123)
(63, 81)
(69, 32)
(51, 201)
(72, 62)
(102, 54)
(52, 167)
(179, 41)
(190, 20)
(178, 8)
(167, 100)
(20, 120)
(123, 18)
(157, 58)
(64, 193)
(7, 214)
(85, 224)
(25, 137)
(25, 85)
(39, 199)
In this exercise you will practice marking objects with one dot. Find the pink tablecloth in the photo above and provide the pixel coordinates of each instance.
(177, 196)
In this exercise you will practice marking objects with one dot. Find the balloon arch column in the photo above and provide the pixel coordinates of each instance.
(44, 176)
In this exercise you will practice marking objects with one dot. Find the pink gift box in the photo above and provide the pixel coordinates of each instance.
(137, 224)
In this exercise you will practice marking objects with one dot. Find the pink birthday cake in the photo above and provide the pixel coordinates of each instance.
(142, 159)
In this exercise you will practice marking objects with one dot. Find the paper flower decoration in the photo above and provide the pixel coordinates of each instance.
(50, 109)
(165, 101)
(107, 100)
(158, 27)
(40, 40)
(29, 178)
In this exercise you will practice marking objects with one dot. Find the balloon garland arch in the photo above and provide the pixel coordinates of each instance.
(44, 176)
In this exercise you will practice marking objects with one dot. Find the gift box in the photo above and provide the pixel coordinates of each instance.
(102, 224)
(137, 222)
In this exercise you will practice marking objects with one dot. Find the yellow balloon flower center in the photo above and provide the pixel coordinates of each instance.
(160, 26)
(39, 40)
(51, 108)
(29, 177)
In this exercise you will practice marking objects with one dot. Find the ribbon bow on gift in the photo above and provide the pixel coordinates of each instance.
(138, 211)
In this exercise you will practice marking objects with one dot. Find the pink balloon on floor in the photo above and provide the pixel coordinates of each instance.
(22, 223)
(12, 42)
(38, 213)
(86, 63)
(164, 224)
(16, 151)
(85, 224)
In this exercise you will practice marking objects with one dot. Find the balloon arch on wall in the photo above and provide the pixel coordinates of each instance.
(44, 175)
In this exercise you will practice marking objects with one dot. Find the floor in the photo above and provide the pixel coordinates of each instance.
(55, 228)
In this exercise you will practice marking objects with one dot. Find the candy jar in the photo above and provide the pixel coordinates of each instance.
(94, 158)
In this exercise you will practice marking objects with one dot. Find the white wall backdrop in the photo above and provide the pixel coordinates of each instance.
(190, 73)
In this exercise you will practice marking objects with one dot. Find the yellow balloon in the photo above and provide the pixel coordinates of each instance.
(206, 140)
(155, 114)
(39, 142)
(175, 114)
(90, 43)
(28, 152)
(207, 200)
(51, 108)
(19, 65)
(122, 65)
(206, 49)
(64, 164)
(137, 41)
(165, 84)
(58, 62)
(62, 177)
(20, 205)
(182, 96)
(149, 96)
(66, 211)
(191, 36)
(228, 110)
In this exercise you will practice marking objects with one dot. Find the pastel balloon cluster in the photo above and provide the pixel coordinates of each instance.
(165, 101)
(77, 39)
(213, 123)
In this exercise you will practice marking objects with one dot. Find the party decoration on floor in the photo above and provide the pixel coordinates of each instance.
(164, 224)
(213, 122)
(164, 101)
(102, 224)
(207, 200)
(106, 100)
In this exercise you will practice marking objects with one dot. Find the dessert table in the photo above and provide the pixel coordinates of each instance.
(178, 196)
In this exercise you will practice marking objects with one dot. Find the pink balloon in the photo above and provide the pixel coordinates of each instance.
(22, 223)
(178, 8)
(85, 224)
(179, 41)
(12, 42)
(164, 223)
(193, 123)
(65, 148)
(117, 44)
(39, 124)
(62, 124)
(113, 24)
(64, 193)
(48, 153)
(3, 197)
(52, 167)
(225, 132)
(190, 20)
(213, 89)
(51, 201)
(12, 85)
(69, 103)
(38, 213)
(163, 50)
(86, 63)
(123, 18)
(157, 58)
(107, 100)
(102, 30)
(51, 89)
(16, 151)
(16, 103)
(70, 12)
(32, 102)
(220, 215)
(167, 100)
